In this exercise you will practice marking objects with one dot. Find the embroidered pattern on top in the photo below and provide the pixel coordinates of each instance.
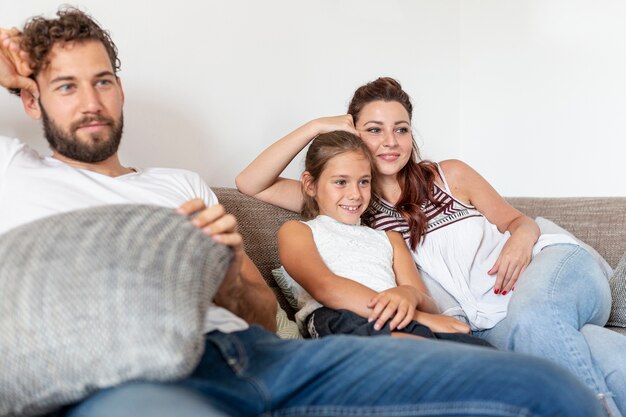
(383, 216)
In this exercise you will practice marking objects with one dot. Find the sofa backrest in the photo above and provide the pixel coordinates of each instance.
(258, 223)
(600, 222)
(597, 221)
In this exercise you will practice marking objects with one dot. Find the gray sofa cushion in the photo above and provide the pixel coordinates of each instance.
(618, 294)
(549, 227)
(96, 297)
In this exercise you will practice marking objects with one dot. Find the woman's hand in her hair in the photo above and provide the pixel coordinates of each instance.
(330, 124)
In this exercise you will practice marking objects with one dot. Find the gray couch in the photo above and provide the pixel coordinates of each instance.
(600, 222)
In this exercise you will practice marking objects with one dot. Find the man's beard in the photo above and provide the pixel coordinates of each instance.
(68, 144)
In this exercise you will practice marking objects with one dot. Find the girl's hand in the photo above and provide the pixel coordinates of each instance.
(330, 124)
(513, 260)
(398, 304)
(441, 324)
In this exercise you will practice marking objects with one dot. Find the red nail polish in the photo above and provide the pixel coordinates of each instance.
(497, 291)
(503, 292)
(513, 289)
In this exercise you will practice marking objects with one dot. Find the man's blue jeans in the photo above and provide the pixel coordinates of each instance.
(252, 373)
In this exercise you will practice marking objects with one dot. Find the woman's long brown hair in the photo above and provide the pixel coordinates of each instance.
(417, 177)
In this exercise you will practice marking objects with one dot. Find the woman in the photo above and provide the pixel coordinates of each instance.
(520, 290)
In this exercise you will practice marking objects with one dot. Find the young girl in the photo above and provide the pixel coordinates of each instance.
(356, 280)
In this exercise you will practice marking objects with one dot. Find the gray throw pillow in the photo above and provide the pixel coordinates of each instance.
(618, 294)
(285, 328)
(96, 297)
(285, 283)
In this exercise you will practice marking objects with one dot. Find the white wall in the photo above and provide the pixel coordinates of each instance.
(501, 84)
(543, 95)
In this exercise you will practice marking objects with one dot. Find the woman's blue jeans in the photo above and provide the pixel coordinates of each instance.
(557, 311)
(253, 373)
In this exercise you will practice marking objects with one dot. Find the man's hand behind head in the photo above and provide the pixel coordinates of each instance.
(15, 66)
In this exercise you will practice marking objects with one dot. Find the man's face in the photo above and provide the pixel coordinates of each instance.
(81, 102)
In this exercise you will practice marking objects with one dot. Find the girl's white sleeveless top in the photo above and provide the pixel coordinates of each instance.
(351, 251)
(459, 248)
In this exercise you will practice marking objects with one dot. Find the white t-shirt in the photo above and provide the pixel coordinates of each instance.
(33, 187)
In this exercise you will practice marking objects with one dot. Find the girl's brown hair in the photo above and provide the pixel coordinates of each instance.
(417, 177)
(323, 148)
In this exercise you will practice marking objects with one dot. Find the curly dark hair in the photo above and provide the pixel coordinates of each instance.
(71, 25)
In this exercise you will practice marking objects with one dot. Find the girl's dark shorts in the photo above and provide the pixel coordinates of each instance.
(326, 321)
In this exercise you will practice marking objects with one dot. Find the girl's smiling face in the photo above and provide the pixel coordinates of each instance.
(343, 190)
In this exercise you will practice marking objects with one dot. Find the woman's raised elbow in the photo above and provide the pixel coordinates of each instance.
(243, 186)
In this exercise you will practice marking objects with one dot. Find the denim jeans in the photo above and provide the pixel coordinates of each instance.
(557, 311)
(253, 373)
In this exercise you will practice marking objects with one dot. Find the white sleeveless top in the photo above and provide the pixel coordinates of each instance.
(351, 251)
(459, 248)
